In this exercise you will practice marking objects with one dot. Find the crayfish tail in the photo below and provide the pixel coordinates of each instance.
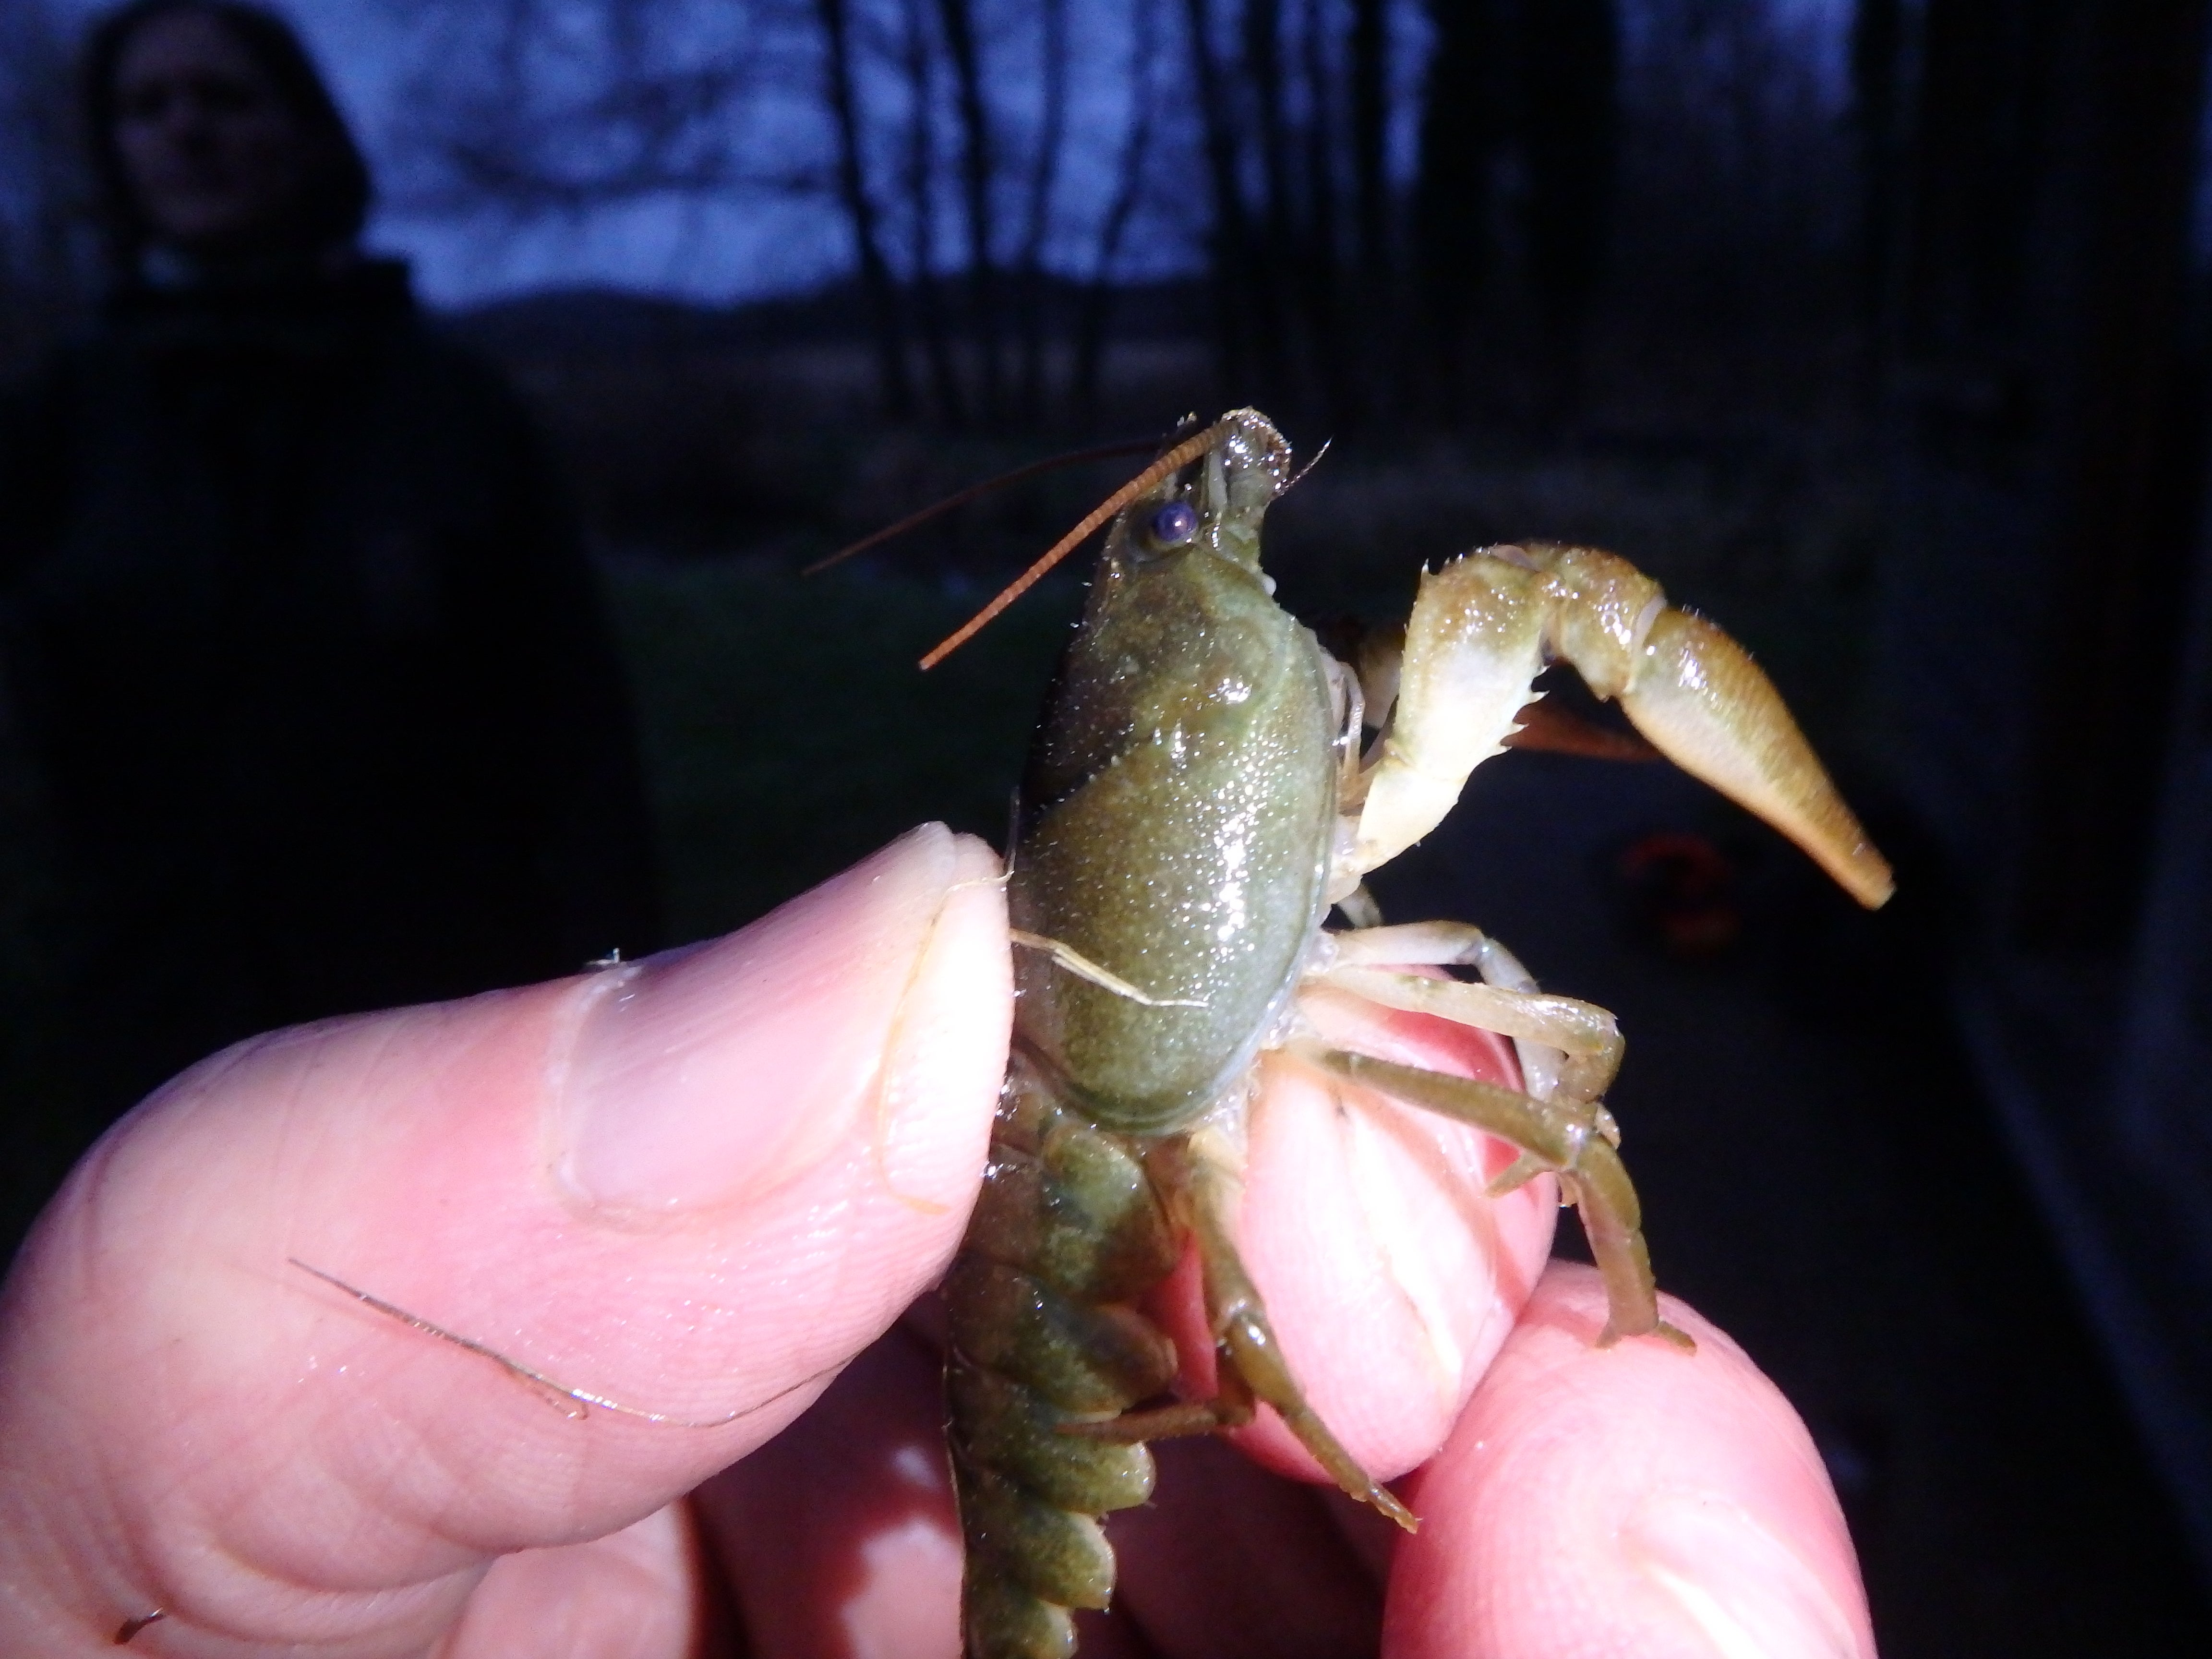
(1067, 1230)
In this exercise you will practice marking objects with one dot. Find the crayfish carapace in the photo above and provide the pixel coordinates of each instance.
(1196, 801)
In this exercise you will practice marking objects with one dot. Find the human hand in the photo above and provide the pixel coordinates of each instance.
(699, 1186)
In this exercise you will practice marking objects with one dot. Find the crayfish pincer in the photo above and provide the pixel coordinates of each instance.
(1197, 800)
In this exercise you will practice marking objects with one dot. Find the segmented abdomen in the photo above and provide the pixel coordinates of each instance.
(1066, 1232)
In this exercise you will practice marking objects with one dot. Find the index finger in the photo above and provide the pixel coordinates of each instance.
(1625, 1501)
(1391, 1276)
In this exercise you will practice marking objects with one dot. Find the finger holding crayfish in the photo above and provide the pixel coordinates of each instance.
(1424, 1323)
(1394, 1281)
(1392, 1274)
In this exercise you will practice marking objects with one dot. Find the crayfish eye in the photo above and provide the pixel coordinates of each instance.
(1173, 524)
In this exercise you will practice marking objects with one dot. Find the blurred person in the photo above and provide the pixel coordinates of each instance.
(300, 638)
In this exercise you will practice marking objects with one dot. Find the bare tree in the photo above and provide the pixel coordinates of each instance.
(1129, 175)
(1320, 230)
(1744, 158)
(1568, 116)
(526, 106)
(1368, 74)
(1460, 133)
(978, 165)
(842, 97)
(1295, 123)
(918, 65)
(1248, 325)
(1043, 177)
(896, 113)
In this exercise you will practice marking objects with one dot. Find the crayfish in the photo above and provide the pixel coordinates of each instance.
(1198, 800)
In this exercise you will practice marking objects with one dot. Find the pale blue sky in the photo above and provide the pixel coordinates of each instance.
(706, 251)
(703, 251)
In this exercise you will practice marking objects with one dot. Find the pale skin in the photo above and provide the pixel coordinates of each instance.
(706, 1188)
(213, 154)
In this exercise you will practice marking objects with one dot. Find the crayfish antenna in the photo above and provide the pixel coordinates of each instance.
(962, 498)
(1174, 460)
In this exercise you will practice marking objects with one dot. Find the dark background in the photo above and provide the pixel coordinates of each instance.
(1891, 359)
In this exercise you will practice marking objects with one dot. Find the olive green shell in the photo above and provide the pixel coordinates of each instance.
(1175, 830)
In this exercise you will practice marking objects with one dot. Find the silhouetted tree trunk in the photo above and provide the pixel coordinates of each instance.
(1044, 175)
(918, 63)
(2047, 412)
(1451, 231)
(1248, 325)
(1569, 116)
(1128, 186)
(977, 164)
(1977, 168)
(1277, 260)
(2048, 343)
(840, 93)
(2129, 414)
(1320, 257)
(1369, 78)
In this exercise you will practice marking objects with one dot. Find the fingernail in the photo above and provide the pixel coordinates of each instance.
(717, 1070)
(1750, 1594)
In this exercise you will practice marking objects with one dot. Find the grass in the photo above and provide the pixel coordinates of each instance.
(788, 731)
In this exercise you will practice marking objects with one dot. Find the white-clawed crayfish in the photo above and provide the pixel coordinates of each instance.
(1196, 801)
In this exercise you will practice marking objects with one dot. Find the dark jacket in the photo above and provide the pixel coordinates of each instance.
(301, 639)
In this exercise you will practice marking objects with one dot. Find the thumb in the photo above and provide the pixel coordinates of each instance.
(695, 1186)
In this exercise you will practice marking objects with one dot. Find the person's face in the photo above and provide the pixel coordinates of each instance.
(213, 154)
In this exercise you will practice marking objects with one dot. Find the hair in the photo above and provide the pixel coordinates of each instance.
(334, 194)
